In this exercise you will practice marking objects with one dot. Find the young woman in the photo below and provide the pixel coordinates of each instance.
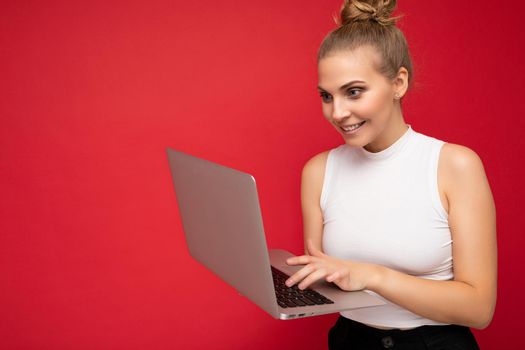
(402, 215)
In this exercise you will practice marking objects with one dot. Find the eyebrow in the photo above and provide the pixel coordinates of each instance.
(345, 86)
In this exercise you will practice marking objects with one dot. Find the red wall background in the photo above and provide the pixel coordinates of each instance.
(92, 255)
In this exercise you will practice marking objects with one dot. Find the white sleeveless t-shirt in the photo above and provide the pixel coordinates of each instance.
(384, 208)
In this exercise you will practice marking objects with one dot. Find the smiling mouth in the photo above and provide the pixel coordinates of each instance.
(352, 127)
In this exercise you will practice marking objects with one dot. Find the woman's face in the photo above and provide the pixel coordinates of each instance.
(358, 101)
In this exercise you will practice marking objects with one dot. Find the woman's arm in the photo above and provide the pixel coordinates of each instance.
(470, 298)
(312, 179)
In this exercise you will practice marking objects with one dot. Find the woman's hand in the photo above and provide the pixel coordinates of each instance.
(347, 275)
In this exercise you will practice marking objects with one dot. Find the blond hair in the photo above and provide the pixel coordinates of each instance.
(369, 23)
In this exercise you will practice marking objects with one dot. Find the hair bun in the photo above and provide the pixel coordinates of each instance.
(367, 10)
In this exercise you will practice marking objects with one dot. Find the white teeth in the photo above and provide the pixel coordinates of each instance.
(351, 127)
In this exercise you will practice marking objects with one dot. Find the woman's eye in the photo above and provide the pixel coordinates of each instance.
(353, 92)
(325, 97)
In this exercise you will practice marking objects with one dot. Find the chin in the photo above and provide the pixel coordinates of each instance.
(355, 141)
(352, 143)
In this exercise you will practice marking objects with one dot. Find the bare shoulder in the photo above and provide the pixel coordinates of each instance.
(317, 162)
(460, 161)
(313, 175)
(462, 173)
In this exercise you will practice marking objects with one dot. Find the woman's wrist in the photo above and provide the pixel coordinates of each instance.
(376, 276)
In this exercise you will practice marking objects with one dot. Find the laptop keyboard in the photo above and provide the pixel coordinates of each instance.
(293, 296)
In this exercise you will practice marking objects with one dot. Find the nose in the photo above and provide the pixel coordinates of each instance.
(340, 110)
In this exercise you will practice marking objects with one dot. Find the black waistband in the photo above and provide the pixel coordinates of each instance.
(398, 333)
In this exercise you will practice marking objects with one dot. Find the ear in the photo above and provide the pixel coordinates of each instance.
(400, 82)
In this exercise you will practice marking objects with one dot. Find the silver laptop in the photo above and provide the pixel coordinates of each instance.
(222, 222)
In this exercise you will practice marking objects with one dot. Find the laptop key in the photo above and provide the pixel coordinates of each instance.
(299, 302)
(290, 303)
(281, 303)
(307, 301)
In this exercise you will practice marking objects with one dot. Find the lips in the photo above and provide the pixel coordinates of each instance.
(351, 127)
